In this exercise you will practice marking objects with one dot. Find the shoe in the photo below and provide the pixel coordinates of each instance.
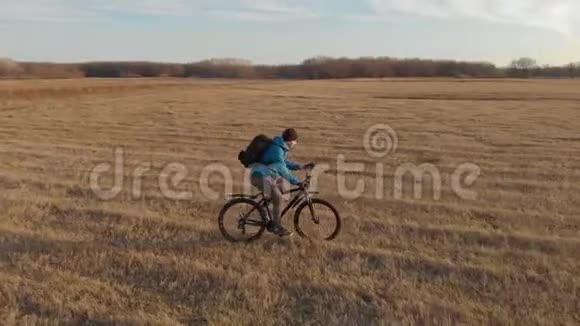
(279, 230)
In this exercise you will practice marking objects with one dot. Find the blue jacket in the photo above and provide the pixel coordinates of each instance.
(274, 163)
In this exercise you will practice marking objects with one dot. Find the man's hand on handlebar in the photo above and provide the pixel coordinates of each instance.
(304, 184)
(308, 166)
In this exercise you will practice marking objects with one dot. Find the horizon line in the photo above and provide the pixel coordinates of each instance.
(248, 62)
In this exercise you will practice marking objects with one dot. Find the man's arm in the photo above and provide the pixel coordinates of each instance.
(293, 165)
(286, 174)
(282, 166)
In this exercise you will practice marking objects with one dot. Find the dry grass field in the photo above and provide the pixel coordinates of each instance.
(511, 256)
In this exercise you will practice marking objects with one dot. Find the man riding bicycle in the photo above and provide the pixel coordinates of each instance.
(273, 168)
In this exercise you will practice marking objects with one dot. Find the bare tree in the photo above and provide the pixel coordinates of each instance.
(524, 63)
(573, 70)
(227, 62)
(9, 67)
(522, 67)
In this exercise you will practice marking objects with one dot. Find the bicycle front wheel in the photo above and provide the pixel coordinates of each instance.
(242, 220)
(317, 220)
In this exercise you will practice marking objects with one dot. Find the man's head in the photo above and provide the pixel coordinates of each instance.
(290, 137)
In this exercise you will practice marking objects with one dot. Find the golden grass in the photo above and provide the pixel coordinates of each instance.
(510, 257)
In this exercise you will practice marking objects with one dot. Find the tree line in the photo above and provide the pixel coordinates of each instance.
(313, 68)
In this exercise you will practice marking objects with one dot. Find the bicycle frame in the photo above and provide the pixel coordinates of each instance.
(297, 200)
(304, 195)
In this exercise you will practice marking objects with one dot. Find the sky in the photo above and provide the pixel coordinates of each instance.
(279, 32)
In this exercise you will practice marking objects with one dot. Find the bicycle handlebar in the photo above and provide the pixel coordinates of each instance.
(308, 175)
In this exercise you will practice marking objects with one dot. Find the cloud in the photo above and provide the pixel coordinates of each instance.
(147, 7)
(64, 10)
(264, 10)
(557, 15)
(40, 11)
(243, 15)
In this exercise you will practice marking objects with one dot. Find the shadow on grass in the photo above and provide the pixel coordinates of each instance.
(136, 264)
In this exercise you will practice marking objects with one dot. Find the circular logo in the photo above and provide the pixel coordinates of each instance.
(380, 140)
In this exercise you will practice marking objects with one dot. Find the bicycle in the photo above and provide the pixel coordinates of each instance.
(259, 217)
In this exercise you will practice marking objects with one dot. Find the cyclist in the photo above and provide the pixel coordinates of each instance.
(273, 168)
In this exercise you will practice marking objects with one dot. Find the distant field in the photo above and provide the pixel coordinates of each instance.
(512, 256)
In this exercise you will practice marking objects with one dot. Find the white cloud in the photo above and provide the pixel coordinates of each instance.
(39, 10)
(558, 15)
(243, 15)
(61, 10)
(146, 7)
(276, 6)
(264, 10)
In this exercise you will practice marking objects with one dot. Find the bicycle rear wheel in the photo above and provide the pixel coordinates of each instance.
(242, 220)
(317, 220)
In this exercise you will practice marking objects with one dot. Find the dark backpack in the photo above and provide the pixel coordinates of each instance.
(255, 150)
